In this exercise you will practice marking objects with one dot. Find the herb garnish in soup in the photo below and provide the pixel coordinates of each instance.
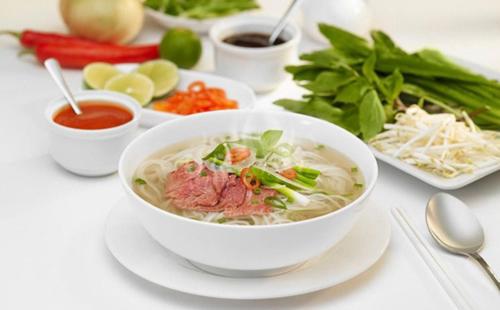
(248, 179)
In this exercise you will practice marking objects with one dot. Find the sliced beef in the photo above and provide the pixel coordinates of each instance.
(195, 187)
(252, 204)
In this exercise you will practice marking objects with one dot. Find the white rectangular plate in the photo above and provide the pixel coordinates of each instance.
(432, 179)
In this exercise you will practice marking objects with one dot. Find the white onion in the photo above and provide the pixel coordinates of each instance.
(114, 21)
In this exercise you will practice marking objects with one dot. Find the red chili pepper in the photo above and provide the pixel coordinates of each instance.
(78, 56)
(30, 38)
(249, 179)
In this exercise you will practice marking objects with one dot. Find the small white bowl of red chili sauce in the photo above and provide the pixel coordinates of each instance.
(91, 143)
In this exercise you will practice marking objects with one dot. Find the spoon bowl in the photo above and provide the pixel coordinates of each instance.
(455, 227)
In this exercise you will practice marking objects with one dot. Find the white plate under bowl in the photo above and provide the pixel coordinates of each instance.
(235, 90)
(435, 180)
(200, 26)
(131, 245)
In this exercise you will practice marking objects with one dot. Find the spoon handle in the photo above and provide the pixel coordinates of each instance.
(486, 268)
(282, 22)
(55, 72)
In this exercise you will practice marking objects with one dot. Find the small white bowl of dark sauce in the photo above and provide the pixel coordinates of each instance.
(242, 53)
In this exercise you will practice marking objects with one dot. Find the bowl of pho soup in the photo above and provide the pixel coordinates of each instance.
(256, 192)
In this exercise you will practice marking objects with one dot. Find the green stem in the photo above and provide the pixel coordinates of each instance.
(11, 33)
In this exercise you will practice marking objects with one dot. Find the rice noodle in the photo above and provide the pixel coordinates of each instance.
(335, 179)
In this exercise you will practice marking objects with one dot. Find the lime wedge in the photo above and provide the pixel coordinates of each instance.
(136, 85)
(96, 74)
(163, 73)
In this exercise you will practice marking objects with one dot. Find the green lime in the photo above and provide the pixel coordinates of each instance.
(181, 46)
(163, 73)
(135, 85)
(96, 74)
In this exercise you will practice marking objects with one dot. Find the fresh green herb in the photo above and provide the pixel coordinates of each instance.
(257, 191)
(254, 201)
(191, 168)
(275, 202)
(270, 138)
(360, 86)
(359, 185)
(218, 155)
(222, 220)
(270, 178)
(307, 172)
(203, 173)
(264, 143)
(319, 147)
(201, 9)
(354, 169)
(140, 181)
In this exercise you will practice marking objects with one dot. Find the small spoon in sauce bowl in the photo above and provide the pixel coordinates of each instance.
(281, 24)
(55, 72)
(454, 227)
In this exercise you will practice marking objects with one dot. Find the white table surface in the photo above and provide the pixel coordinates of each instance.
(52, 253)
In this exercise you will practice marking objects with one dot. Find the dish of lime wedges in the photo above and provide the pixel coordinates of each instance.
(136, 85)
(159, 75)
(96, 74)
(163, 73)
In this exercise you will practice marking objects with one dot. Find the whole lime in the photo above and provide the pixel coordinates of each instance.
(181, 46)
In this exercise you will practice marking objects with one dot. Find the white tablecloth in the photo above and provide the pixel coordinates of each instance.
(52, 253)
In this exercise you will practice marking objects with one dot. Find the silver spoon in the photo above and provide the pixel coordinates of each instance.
(455, 228)
(55, 72)
(281, 23)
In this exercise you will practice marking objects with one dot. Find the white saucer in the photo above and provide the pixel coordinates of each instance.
(131, 245)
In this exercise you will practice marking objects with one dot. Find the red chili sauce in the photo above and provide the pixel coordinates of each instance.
(95, 115)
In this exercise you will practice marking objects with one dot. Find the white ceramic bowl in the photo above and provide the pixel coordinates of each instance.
(260, 249)
(91, 152)
(261, 68)
(200, 26)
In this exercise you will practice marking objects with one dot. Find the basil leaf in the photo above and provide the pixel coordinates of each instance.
(353, 92)
(384, 44)
(328, 82)
(368, 69)
(393, 84)
(344, 41)
(371, 115)
(218, 153)
(270, 138)
(316, 106)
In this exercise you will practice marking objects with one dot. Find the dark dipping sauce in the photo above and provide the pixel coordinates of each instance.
(95, 115)
(252, 39)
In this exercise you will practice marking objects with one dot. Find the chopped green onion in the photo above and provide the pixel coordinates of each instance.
(275, 202)
(257, 191)
(305, 180)
(319, 147)
(254, 202)
(203, 173)
(140, 181)
(307, 172)
(358, 185)
(222, 220)
(191, 168)
(354, 169)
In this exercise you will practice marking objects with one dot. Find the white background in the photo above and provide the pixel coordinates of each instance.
(52, 253)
